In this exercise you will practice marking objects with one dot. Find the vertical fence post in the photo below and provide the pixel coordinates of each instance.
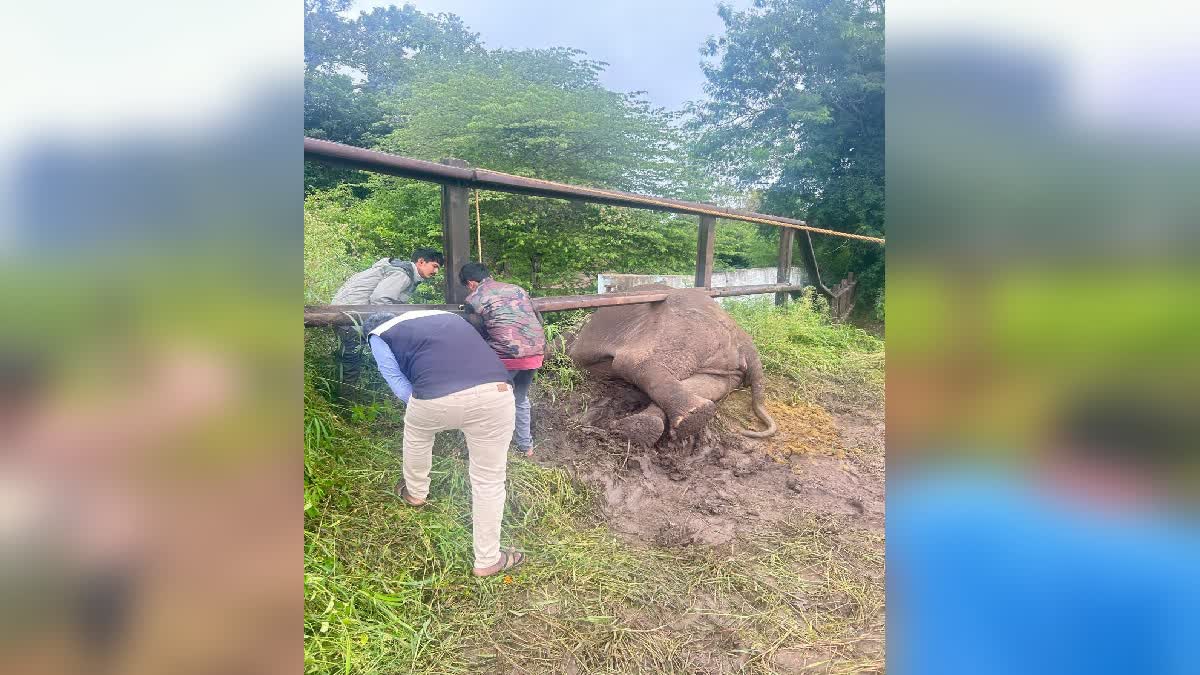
(456, 235)
(786, 235)
(704, 251)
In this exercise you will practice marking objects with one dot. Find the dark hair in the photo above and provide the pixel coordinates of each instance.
(473, 271)
(375, 320)
(429, 254)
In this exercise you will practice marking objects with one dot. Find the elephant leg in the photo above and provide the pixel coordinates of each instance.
(601, 369)
(587, 354)
(644, 427)
(710, 388)
(647, 426)
(685, 411)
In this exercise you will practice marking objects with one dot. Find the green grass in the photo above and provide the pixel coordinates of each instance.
(819, 357)
(388, 589)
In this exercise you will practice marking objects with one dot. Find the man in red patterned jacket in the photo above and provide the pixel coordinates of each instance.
(503, 314)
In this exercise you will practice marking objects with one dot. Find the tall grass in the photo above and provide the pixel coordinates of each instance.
(820, 358)
(558, 373)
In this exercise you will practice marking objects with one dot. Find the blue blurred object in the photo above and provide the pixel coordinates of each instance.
(992, 572)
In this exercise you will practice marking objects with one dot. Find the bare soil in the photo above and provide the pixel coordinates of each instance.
(721, 494)
(719, 485)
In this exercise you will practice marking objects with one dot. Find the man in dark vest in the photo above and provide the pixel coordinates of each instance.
(449, 378)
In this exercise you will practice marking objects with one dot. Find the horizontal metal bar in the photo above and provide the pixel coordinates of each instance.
(406, 167)
(726, 291)
(341, 315)
(338, 315)
(562, 303)
(382, 162)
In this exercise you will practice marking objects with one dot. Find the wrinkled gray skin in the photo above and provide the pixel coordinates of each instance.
(685, 353)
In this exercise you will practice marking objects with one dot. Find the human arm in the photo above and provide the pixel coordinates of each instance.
(390, 369)
(475, 319)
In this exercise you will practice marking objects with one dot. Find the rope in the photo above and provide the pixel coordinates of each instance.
(651, 200)
(478, 228)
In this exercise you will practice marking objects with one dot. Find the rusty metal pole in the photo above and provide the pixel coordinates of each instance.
(456, 235)
(339, 315)
(705, 243)
(395, 165)
(784, 273)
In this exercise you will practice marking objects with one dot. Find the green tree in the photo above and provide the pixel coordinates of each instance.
(495, 115)
(326, 34)
(543, 113)
(795, 109)
(350, 65)
(389, 44)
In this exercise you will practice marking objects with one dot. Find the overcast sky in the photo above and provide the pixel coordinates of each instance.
(650, 45)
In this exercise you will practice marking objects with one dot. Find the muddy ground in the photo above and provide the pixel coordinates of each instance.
(719, 485)
(721, 491)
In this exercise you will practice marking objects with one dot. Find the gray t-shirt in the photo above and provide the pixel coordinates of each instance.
(387, 282)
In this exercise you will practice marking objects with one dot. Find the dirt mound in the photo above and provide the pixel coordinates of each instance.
(708, 489)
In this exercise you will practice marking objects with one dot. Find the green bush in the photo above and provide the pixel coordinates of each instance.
(819, 356)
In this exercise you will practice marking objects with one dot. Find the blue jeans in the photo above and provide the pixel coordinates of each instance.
(521, 381)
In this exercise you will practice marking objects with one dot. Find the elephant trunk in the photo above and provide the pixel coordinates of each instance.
(758, 395)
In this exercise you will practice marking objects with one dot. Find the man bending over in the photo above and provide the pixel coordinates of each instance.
(448, 378)
(503, 314)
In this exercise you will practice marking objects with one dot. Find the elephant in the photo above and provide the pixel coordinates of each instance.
(685, 353)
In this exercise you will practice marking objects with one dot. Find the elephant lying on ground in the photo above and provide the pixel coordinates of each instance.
(685, 353)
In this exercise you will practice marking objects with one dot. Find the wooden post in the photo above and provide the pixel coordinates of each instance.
(456, 235)
(704, 251)
(786, 235)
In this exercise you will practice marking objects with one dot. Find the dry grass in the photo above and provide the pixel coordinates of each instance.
(805, 428)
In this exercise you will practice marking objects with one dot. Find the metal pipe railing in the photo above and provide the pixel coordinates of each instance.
(339, 315)
(406, 167)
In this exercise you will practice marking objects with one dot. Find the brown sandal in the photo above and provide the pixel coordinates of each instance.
(510, 559)
(402, 492)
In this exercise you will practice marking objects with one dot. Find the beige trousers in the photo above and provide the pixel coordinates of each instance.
(486, 416)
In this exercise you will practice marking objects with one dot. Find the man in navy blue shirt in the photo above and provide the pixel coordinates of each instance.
(449, 378)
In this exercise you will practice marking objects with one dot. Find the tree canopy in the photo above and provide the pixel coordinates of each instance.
(795, 109)
(540, 113)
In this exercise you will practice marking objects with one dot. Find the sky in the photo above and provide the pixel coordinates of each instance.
(653, 45)
(650, 45)
(1132, 64)
(138, 63)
